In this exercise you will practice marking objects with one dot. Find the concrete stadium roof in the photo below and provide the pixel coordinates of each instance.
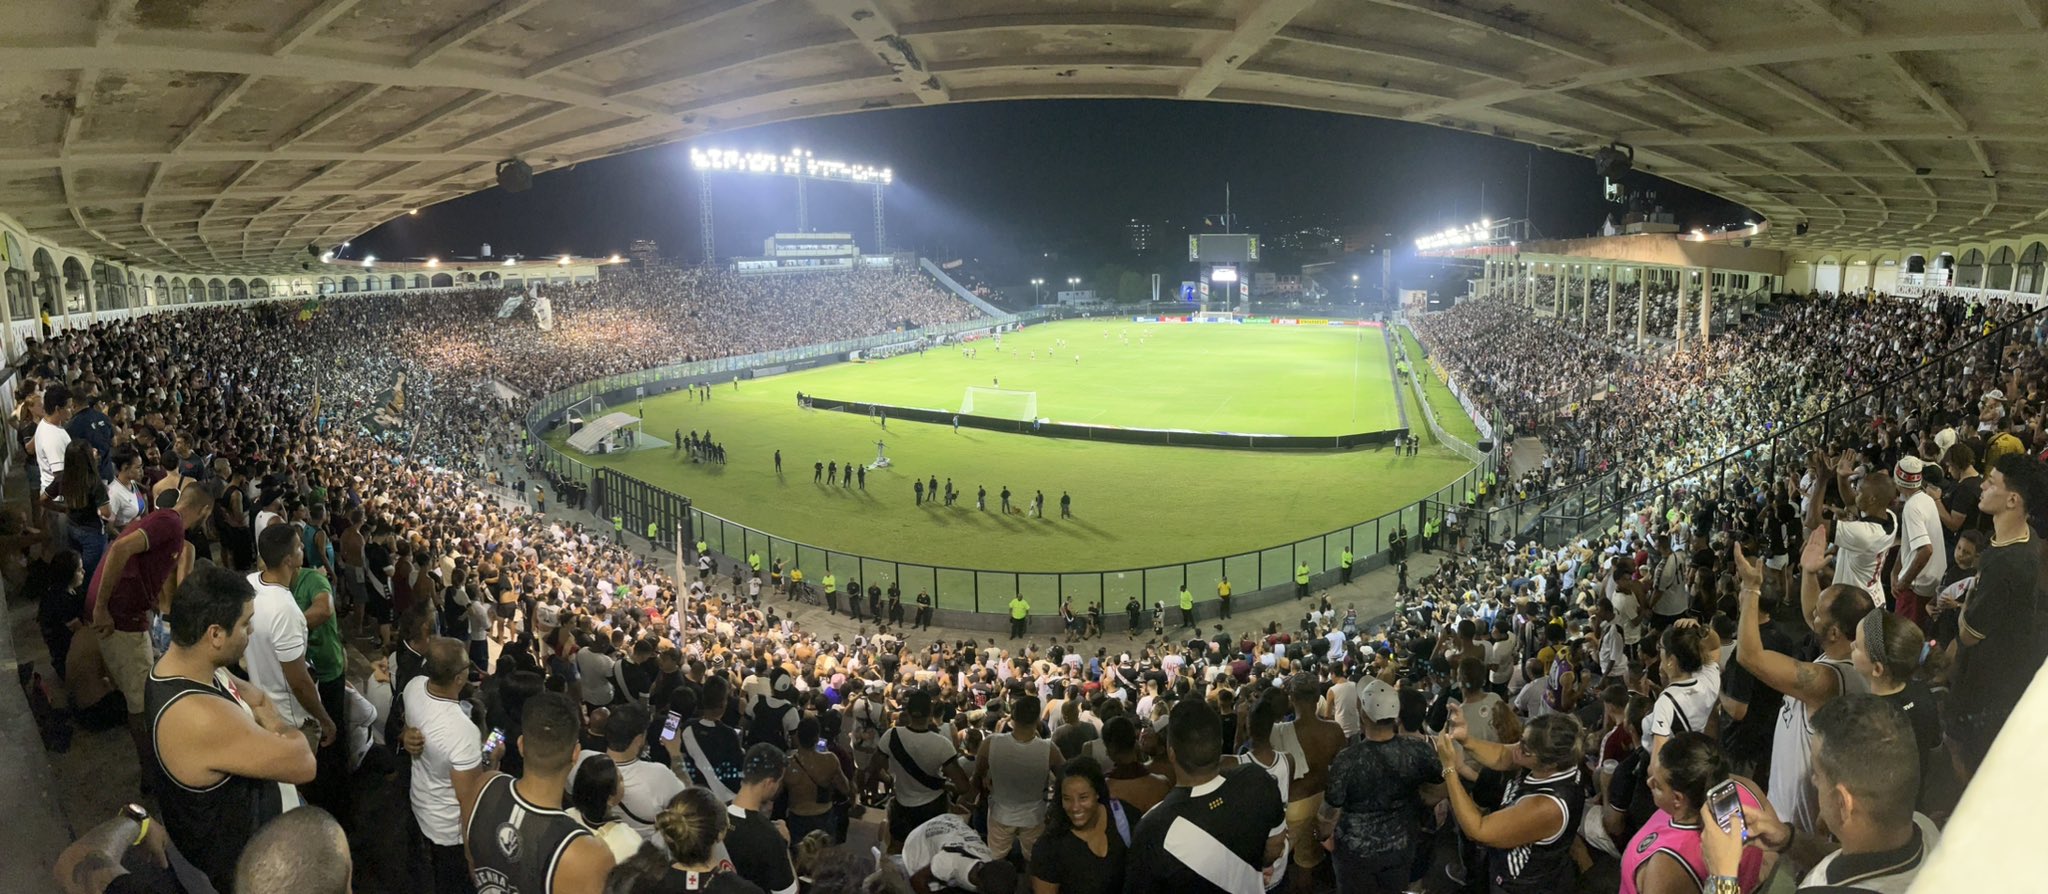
(229, 134)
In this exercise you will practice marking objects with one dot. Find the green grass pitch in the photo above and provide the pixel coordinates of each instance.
(1449, 413)
(1134, 506)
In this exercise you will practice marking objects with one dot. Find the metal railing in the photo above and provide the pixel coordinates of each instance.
(637, 503)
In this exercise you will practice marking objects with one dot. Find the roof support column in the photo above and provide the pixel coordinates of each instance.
(1678, 324)
(1642, 308)
(1706, 305)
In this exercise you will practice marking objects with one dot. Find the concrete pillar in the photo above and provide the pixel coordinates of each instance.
(1558, 292)
(1678, 324)
(1706, 305)
(1610, 299)
(1642, 307)
(1586, 297)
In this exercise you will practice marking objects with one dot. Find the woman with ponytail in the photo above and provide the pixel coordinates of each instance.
(692, 825)
(1894, 656)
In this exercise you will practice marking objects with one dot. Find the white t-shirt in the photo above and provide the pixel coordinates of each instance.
(1627, 615)
(933, 751)
(1500, 659)
(277, 635)
(452, 744)
(1685, 706)
(648, 786)
(1860, 547)
(594, 676)
(51, 441)
(949, 846)
(125, 504)
(1919, 526)
(264, 520)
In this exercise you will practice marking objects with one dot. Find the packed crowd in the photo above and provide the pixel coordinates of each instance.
(561, 715)
(1652, 417)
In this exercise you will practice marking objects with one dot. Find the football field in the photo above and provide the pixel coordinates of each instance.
(1134, 506)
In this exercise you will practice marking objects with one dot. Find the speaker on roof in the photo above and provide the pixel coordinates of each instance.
(1614, 160)
(1799, 230)
(1484, 446)
(515, 175)
(312, 250)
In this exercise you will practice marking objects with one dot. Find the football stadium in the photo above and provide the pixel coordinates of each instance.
(996, 446)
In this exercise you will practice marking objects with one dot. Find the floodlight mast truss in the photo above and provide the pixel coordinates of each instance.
(799, 164)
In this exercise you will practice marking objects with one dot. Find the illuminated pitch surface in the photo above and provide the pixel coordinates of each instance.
(1254, 379)
(1135, 505)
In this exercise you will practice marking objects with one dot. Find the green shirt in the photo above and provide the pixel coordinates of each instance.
(618, 523)
(753, 560)
(1301, 574)
(1019, 608)
(653, 528)
(1345, 558)
(831, 583)
(324, 655)
(1187, 599)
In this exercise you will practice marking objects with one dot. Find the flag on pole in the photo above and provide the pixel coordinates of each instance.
(682, 589)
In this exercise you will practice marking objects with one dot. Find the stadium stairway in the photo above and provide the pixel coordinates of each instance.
(958, 290)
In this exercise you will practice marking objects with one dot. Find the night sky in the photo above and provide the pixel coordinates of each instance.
(1007, 181)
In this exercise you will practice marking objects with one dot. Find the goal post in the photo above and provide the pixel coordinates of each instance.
(1001, 403)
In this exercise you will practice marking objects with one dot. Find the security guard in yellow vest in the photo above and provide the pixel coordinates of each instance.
(1344, 564)
(1187, 607)
(831, 592)
(653, 535)
(1223, 597)
(1301, 581)
(754, 562)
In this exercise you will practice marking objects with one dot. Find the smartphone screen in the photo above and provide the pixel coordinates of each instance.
(1726, 806)
(495, 741)
(668, 730)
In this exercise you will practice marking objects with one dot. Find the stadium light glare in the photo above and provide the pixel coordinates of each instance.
(564, 261)
(511, 262)
(433, 262)
(368, 260)
(614, 258)
(1457, 237)
(799, 162)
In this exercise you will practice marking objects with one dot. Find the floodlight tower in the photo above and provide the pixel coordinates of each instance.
(800, 164)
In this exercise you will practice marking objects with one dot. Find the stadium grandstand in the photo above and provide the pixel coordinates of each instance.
(1742, 589)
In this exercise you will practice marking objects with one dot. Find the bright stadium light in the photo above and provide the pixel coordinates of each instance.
(1458, 237)
(615, 258)
(797, 162)
(368, 260)
(433, 262)
(564, 261)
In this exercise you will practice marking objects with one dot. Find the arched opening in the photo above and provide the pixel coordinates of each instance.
(177, 295)
(195, 291)
(326, 285)
(259, 289)
(1827, 275)
(512, 282)
(490, 278)
(419, 280)
(216, 290)
(397, 281)
(2033, 264)
(1999, 274)
(372, 283)
(442, 280)
(348, 283)
(238, 290)
(1916, 263)
(76, 287)
(163, 295)
(17, 275)
(1970, 273)
(469, 277)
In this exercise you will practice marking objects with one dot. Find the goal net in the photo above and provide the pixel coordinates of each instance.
(1001, 403)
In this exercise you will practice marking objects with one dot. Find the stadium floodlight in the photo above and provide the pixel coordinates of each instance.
(1458, 237)
(795, 163)
(368, 260)
(1223, 274)
(433, 262)
(564, 261)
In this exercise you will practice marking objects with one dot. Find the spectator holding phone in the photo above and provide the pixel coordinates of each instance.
(1691, 785)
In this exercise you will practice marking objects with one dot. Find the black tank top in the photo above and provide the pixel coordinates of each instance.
(514, 844)
(210, 826)
(1545, 866)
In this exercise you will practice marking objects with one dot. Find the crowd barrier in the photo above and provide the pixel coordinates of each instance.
(1158, 437)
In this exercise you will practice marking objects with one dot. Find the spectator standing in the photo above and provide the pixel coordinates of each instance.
(1923, 547)
(140, 568)
(1374, 801)
(712, 752)
(647, 786)
(518, 831)
(447, 771)
(759, 847)
(1087, 839)
(225, 761)
(920, 762)
(1528, 841)
(1999, 645)
(1014, 769)
(1864, 760)
(1214, 831)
